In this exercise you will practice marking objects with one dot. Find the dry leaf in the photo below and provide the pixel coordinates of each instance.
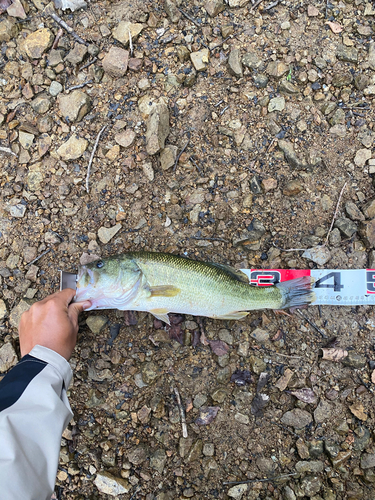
(259, 402)
(335, 27)
(373, 377)
(333, 354)
(207, 414)
(278, 335)
(306, 395)
(241, 377)
(219, 347)
(358, 411)
(283, 381)
(69, 4)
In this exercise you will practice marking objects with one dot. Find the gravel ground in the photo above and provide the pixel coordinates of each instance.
(230, 131)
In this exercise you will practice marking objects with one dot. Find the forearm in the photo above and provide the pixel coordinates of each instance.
(34, 411)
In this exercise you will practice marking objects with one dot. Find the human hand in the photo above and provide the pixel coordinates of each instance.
(52, 323)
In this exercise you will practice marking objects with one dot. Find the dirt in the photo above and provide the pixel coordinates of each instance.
(231, 177)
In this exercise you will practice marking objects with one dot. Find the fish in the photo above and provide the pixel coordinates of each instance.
(162, 283)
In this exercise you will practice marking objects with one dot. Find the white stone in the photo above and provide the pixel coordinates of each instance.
(105, 234)
(110, 485)
(8, 357)
(361, 156)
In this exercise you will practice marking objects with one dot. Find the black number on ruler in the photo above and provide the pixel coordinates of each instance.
(370, 278)
(337, 286)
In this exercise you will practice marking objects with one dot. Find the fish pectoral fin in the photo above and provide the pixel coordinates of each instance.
(164, 291)
(161, 314)
(233, 315)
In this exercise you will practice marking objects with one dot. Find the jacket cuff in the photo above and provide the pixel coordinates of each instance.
(54, 359)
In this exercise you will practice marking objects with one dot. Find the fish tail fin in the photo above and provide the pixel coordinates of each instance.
(297, 292)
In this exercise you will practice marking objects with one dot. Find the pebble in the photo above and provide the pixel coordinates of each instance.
(312, 466)
(148, 171)
(208, 449)
(195, 452)
(75, 105)
(32, 273)
(125, 138)
(26, 139)
(168, 156)
(234, 63)
(214, 7)
(73, 148)
(241, 418)
(105, 234)
(111, 485)
(8, 357)
(346, 226)
(322, 412)
(237, 491)
(41, 104)
(77, 54)
(311, 485)
(22, 306)
(55, 88)
(17, 210)
(260, 335)
(361, 157)
(115, 62)
(158, 459)
(3, 310)
(157, 128)
(292, 188)
(37, 43)
(290, 155)
(371, 56)
(354, 360)
(257, 365)
(347, 54)
(276, 104)
(172, 11)
(297, 418)
(353, 211)
(277, 69)
(96, 323)
(368, 460)
(8, 30)
(200, 59)
(320, 255)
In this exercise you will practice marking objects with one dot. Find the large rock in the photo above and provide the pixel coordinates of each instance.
(74, 106)
(115, 63)
(121, 32)
(111, 485)
(38, 42)
(157, 129)
(8, 357)
(73, 148)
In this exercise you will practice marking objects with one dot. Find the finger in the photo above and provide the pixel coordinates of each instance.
(77, 307)
(65, 296)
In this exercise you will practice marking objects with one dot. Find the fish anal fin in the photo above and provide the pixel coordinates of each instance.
(161, 314)
(232, 272)
(235, 315)
(164, 291)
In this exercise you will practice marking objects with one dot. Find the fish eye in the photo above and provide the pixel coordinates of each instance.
(99, 264)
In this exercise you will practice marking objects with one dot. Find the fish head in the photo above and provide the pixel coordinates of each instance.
(108, 283)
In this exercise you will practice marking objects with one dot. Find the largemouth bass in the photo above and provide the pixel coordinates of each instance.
(161, 283)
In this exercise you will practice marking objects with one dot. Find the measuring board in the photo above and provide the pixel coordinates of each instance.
(338, 287)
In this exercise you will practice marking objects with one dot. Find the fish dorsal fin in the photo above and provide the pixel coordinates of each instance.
(232, 272)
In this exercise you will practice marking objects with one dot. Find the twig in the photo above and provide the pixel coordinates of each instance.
(195, 163)
(179, 155)
(335, 214)
(311, 323)
(224, 110)
(92, 156)
(80, 86)
(39, 257)
(66, 27)
(88, 64)
(182, 414)
(130, 43)
(291, 356)
(255, 5)
(59, 34)
(189, 17)
(264, 480)
(207, 239)
(7, 150)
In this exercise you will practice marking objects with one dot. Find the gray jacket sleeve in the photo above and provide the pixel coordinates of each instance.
(34, 411)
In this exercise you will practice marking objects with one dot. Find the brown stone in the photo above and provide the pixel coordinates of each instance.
(292, 188)
(38, 42)
(367, 231)
(115, 63)
(369, 209)
(135, 64)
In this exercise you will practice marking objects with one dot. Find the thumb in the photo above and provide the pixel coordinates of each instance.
(77, 307)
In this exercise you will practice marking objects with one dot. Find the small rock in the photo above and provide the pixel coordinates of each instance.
(371, 55)
(8, 357)
(257, 365)
(196, 451)
(199, 400)
(276, 104)
(38, 42)
(361, 439)
(354, 360)
(312, 11)
(346, 226)
(214, 7)
(158, 459)
(115, 63)
(172, 11)
(135, 64)
(32, 273)
(105, 234)
(368, 460)
(234, 63)
(208, 449)
(289, 494)
(200, 59)
(157, 128)
(361, 157)
(311, 485)
(288, 87)
(297, 418)
(168, 156)
(277, 69)
(303, 450)
(322, 412)
(55, 88)
(125, 138)
(41, 104)
(8, 29)
(96, 323)
(77, 54)
(320, 255)
(121, 32)
(342, 79)
(237, 491)
(347, 54)
(23, 306)
(17, 210)
(290, 155)
(312, 466)
(292, 188)
(184, 446)
(26, 139)
(353, 211)
(241, 418)
(3, 310)
(260, 335)
(138, 455)
(335, 238)
(369, 209)
(111, 485)
(73, 148)
(251, 60)
(74, 106)
(316, 448)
